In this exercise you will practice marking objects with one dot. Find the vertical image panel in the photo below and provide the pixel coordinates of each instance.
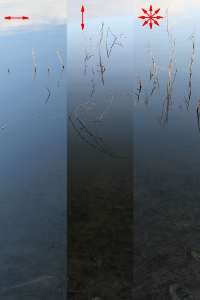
(99, 150)
(33, 159)
(166, 150)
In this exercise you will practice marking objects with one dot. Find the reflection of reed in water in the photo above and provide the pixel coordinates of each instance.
(84, 132)
(49, 93)
(138, 95)
(60, 78)
(153, 74)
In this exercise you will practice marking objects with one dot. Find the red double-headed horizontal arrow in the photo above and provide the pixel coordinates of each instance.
(16, 18)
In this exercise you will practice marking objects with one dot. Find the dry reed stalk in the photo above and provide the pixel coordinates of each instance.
(193, 46)
(101, 39)
(34, 60)
(60, 58)
(198, 107)
(187, 101)
(85, 44)
(108, 52)
(155, 69)
(172, 47)
(92, 43)
(138, 76)
(169, 99)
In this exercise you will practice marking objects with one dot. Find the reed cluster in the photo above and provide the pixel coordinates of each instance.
(187, 101)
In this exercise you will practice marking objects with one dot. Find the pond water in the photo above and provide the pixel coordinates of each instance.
(100, 152)
(33, 152)
(166, 153)
(107, 118)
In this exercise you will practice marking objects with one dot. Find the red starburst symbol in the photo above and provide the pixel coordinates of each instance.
(150, 17)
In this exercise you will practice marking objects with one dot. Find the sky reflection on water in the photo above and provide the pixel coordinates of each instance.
(33, 151)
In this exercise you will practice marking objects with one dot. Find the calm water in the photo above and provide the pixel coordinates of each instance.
(33, 154)
(100, 156)
(88, 84)
(89, 132)
(166, 155)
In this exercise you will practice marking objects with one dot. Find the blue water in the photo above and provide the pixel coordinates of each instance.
(33, 162)
(166, 153)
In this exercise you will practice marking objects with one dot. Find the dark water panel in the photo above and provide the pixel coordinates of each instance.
(100, 160)
(166, 162)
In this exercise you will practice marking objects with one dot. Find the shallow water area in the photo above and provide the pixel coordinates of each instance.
(33, 158)
(166, 155)
(100, 155)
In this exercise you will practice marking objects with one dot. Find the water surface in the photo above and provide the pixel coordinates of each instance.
(166, 154)
(33, 155)
(100, 155)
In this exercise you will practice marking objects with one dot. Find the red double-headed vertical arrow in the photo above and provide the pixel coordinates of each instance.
(82, 10)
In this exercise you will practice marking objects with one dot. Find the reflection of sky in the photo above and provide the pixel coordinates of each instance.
(40, 13)
(118, 77)
(181, 129)
(26, 135)
(182, 13)
(116, 66)
(182, 18)
(47, 12)
(98, 9)
(33, 143)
